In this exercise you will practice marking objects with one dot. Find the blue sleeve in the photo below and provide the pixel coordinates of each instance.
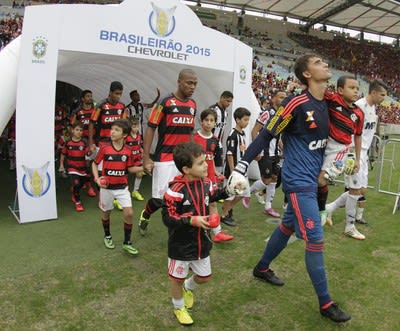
(263, 139)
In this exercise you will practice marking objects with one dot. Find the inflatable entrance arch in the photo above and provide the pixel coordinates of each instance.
(143, 44)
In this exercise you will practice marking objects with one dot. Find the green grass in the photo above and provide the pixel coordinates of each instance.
(57, 275)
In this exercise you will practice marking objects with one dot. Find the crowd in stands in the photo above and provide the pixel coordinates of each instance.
(368, 60)
(9, 29)
(362, 59)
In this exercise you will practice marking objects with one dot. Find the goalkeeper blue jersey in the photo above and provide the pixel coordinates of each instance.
(303, 123)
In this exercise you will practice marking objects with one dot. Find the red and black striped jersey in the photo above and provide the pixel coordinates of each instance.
(83, 116)
(344, 121)
(75, 152)
(105, 115)
(115, 165)
(212, 149)
(136, 146)
(174, 120)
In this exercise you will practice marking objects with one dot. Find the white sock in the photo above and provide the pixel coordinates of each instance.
(359, 213)
(351, 204)
(178, 303)
(257, 186)
(270, 195)
(338, 203)
(136, 185)
(217, 230)
(190, 284)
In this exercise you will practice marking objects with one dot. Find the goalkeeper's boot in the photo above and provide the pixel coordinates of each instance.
(352, 232)
(334, 313)
(143, 223)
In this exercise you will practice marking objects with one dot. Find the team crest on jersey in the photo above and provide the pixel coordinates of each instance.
(353, 117)
(206, 200)
(119, 111)
(36, 181)
(81, 148)
(162, 21)
(123, 158)
(310, 116)
(191, 110)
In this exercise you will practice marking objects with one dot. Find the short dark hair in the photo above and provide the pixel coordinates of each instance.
(376, 85)
(123, 124)
(240, 112)
(77, 124)
(116, 86)
(301, 65)
(84, 92)
(341, 82)
(184, 154)
(227, 94)
(207, 112)
(132, 92)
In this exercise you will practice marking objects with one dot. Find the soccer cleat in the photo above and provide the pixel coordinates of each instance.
(260, 198)
(79, 207)
(268, 276)
(228, 220)
(272, 212)
(90, 191)
(362, 221)
(354, 233)
(137, 196)
(117, 204)
(246, 202)
(143, 223)
(334, 313)
(221, 237)
(183, 316)
(108, 242)
(129, 248)
(188, 297)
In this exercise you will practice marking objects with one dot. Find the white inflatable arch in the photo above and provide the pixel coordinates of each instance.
(143, 44)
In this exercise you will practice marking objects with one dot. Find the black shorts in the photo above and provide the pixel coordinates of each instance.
(269, 166)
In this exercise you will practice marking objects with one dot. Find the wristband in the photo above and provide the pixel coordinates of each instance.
(241, 167)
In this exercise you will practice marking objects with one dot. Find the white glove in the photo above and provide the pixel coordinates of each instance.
(237, 183)
(335, 170)
(349, 164)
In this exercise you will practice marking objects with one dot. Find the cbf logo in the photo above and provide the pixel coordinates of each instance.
(36, 181)
(39, 47)
(162, 20)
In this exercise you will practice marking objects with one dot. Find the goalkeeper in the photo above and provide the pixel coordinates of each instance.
(345, 120)
(303, 123)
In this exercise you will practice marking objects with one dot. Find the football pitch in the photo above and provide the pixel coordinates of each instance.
(57, 275)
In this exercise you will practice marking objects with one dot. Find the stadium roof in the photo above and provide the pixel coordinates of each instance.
(374, 16)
